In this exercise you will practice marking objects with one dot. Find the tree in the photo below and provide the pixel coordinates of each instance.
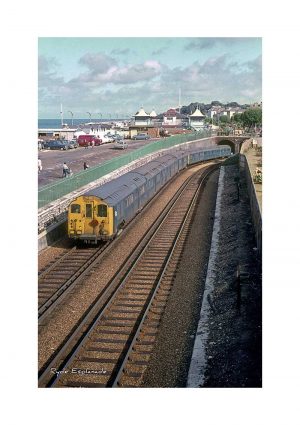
(224, 119)
(237, 118)
(252, 117)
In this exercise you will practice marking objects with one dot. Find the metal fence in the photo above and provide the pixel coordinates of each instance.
(56, 190)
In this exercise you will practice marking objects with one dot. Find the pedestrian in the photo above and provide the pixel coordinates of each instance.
(40, 165)
(85, 166)
(66, 170)
(93, 143)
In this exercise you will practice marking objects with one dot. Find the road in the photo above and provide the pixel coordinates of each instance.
(52, 160)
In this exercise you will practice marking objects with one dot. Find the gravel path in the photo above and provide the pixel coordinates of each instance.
(67, 315)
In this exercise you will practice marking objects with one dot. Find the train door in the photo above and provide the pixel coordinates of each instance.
(89, 222)
(103, 219)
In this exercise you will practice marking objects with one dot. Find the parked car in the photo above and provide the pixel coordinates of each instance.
(141, 136)
(56, 144)
(120, 144)
(73, 144)
(87, 139)
(117, 137)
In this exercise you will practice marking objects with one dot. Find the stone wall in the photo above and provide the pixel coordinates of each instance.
(254, 204)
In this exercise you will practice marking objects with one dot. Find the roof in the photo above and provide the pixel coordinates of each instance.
(153, 113)
(114, 191)
(197, 113)
(141, 113)
(173, 113)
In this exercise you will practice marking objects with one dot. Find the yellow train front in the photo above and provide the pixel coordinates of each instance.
(90, 219)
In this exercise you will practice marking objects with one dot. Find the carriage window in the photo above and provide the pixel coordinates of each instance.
(88, 210)
(102, 211)
(75, 208)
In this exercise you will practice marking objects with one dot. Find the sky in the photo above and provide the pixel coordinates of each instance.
(116, 76)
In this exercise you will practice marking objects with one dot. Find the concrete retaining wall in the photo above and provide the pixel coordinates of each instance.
(52, 234)
(255, 208)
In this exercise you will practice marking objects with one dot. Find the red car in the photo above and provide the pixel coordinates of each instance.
(86, 140)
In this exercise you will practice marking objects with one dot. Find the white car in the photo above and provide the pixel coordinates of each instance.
(120, 144)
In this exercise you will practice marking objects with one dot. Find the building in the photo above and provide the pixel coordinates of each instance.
(153, 114)
(141, 118)
(56, 133)
(214, 111)
(173, 118)
(196, 119)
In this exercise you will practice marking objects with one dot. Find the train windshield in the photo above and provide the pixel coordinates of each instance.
(102, 210)
(75, 208)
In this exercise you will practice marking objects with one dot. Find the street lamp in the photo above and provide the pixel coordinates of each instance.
(72, 116)
(90, 115)
(100, 116)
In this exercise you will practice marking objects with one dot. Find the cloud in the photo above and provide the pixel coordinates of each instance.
(217, 78)
(50, 83)
(97, 63)
(105, 70)
(208, 43)
(106, 85)
(200, 44)
(159, 51)
(134, 73)
(120, 51)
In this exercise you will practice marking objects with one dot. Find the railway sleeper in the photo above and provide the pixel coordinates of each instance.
(111, 331)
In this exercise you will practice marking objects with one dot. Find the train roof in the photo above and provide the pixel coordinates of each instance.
(111, 192)
(115, 190)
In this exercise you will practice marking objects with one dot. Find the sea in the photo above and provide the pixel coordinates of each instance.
(56, 123)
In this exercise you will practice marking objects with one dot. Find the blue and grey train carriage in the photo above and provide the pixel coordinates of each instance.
(100, 213)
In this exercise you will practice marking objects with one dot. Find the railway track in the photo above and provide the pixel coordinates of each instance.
(112, 345)
(62, 275)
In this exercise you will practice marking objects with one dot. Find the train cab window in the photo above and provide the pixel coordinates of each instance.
(75, 208)
(102, 210)
(88, 210)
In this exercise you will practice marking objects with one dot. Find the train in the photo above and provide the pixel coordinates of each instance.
(101, 213)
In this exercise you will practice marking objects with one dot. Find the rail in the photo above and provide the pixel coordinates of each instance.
(114, 290)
